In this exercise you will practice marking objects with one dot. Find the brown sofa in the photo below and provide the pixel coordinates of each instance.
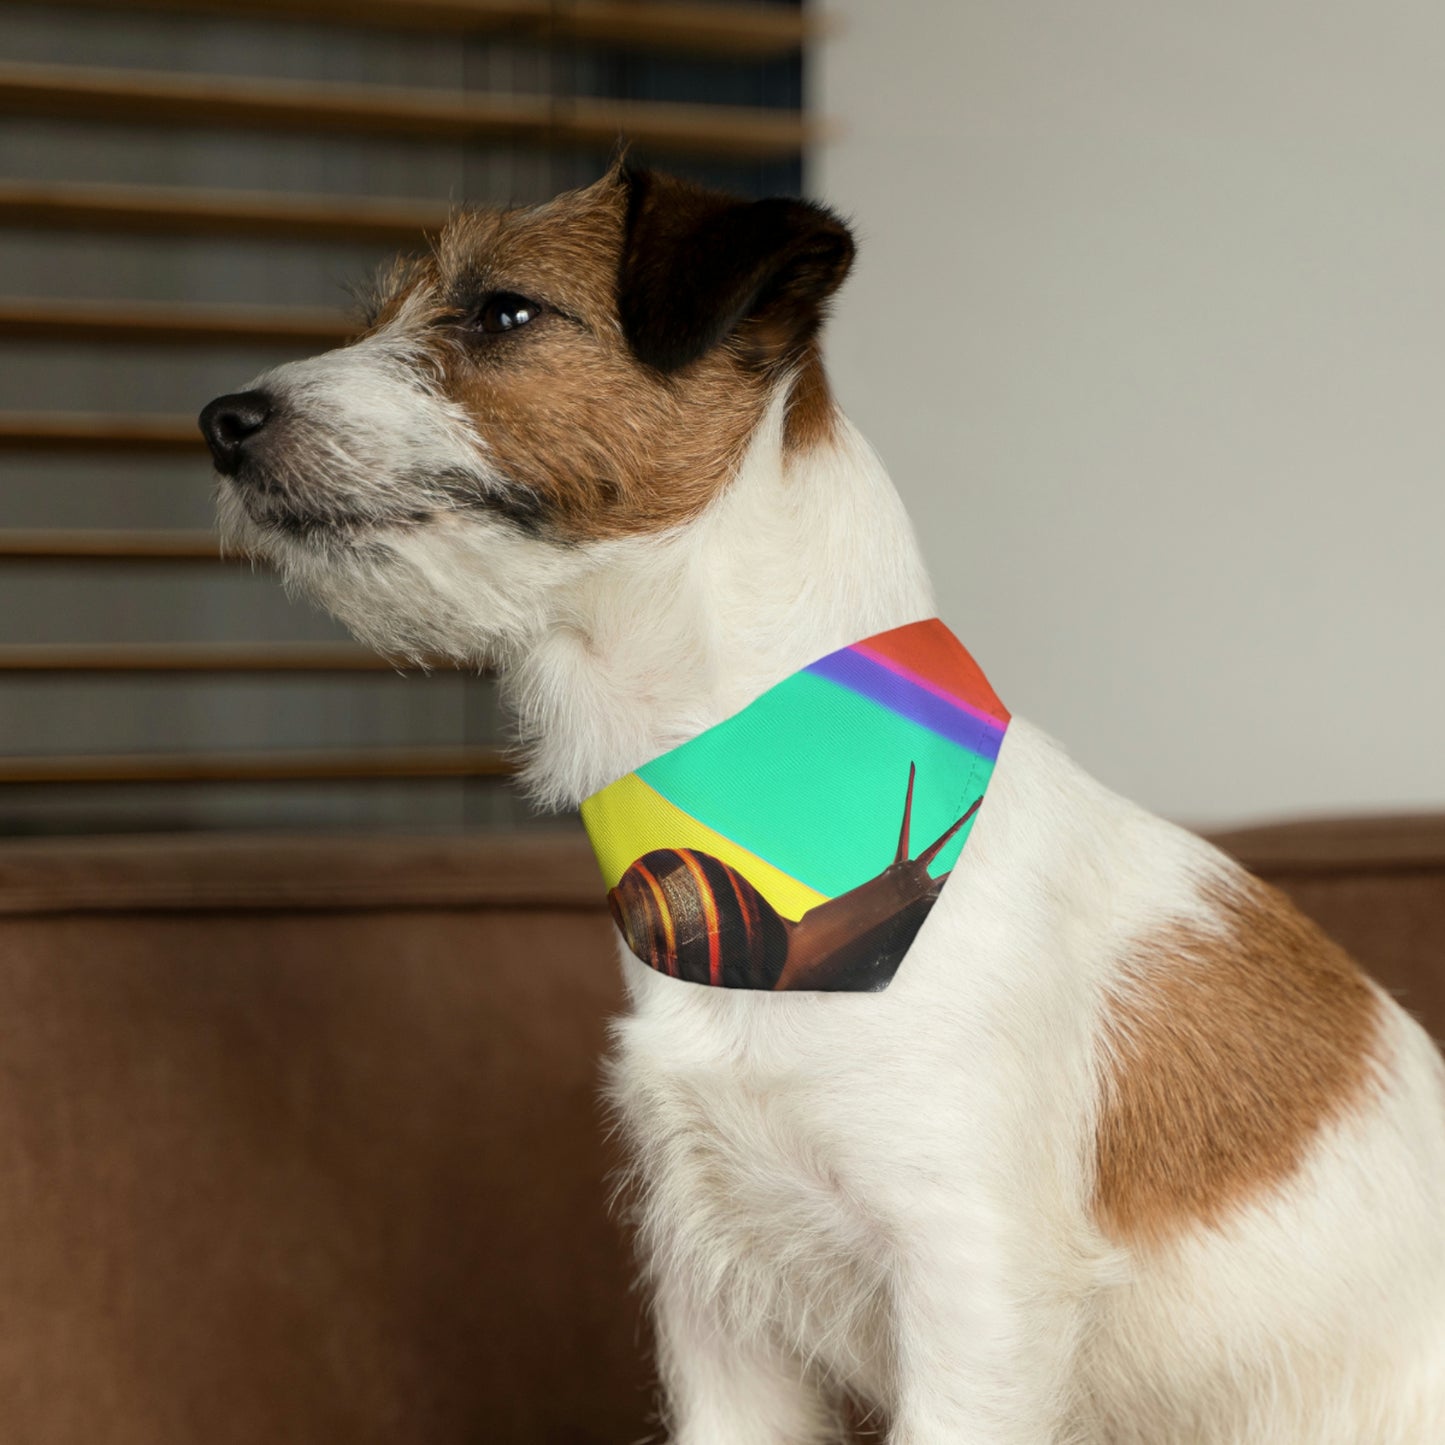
(299, 1141)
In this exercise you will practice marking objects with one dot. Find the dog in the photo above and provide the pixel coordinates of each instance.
(1128, 1153)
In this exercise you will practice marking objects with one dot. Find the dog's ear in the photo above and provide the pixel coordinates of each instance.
(699, 266)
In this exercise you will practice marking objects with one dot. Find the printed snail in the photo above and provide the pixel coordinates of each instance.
(691, 916)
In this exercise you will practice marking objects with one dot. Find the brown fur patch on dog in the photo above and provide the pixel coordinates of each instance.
(812, 413)
(1228, 1051)
(599, 444)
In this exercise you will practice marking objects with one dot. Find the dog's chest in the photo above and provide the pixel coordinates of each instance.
(750, 1185)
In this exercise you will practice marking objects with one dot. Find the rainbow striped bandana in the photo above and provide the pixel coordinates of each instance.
(774, 850)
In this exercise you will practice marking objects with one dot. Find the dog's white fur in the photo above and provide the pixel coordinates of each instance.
(892, 1192)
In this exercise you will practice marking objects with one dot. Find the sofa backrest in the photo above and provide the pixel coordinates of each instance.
(301, 1143)
(300, 1138)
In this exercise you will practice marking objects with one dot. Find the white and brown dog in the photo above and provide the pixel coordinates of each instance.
(1129, 1152)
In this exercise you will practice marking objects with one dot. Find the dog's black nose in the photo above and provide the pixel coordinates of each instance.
(229, 422)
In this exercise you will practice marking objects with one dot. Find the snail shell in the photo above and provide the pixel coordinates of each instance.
(689, 915)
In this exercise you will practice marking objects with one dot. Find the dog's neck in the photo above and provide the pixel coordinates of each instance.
(803, 553)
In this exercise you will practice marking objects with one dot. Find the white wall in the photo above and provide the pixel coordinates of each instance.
(1149, 324)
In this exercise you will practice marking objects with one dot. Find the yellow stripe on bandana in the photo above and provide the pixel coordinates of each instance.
(628, 810)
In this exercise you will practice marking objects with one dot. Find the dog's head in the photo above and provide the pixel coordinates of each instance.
(546, 382)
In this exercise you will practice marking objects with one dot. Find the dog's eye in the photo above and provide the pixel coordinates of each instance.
(505, 311)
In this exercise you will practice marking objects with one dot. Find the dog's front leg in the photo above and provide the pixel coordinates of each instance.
(984, 1352)
(722, 1388)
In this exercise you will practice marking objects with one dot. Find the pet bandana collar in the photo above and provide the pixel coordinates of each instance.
(773, 850)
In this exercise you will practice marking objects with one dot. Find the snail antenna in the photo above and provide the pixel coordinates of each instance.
(902, 854)
(930, 853)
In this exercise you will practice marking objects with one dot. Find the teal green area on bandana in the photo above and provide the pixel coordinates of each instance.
(803, 790)
(827, 815)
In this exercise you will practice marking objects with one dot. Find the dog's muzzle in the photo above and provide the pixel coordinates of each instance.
(231, 424)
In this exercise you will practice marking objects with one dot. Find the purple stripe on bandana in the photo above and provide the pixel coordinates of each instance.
(955, 721)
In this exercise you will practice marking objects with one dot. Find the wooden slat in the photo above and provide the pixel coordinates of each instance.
(94, 431)
(703, 29)
(180, 657)
(262, 767)
(149, 210)
(711, 29)
(171, 324)
(108, 546)
(216, 101)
